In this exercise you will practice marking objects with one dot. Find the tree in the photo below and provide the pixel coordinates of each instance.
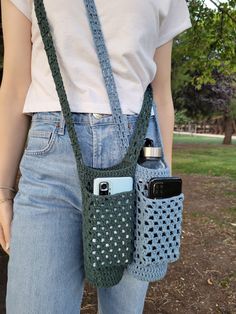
(216, 99)
(204, 63)
(208, 45)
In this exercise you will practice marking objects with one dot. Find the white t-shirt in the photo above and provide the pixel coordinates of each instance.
(132, 30)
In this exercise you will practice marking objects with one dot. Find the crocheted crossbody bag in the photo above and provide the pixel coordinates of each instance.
(108, 220)
(109, 239)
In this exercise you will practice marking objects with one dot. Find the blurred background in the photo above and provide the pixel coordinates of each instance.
(203, 280)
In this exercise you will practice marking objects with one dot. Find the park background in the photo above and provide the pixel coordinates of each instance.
(203, 280)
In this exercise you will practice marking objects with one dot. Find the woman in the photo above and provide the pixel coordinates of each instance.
(42, 229)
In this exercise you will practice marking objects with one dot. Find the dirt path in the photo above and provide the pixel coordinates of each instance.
(204, 279)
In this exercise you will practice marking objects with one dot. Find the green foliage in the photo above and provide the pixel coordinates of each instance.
(204, 64)
(216, 160)
(211, 99)
(181, 117)
(208, 45)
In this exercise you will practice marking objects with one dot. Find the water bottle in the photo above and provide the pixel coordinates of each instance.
(150, 156)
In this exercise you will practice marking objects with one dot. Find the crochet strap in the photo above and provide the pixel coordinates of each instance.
(102, 53)
(103, 56)
(140, 130)
(120, 120)
(53, 63)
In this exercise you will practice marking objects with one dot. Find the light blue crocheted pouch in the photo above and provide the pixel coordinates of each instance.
(158, 224)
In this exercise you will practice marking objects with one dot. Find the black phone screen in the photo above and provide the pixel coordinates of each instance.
(163, 187)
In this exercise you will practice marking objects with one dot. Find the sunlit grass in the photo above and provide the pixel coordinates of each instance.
(213, 159)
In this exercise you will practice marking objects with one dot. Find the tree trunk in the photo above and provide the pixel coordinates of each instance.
(228, 130)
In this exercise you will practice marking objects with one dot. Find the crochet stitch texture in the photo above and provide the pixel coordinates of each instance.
(157, 229)
(125, 229)
(104, 264)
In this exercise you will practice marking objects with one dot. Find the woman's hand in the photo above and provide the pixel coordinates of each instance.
(14, 125)
(6, 215)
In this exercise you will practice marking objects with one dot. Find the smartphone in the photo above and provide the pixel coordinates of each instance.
(163, 187)
(112, 185)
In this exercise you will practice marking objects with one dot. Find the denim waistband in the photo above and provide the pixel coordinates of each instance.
(78, 117)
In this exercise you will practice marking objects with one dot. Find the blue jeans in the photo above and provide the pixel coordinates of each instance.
(45, 269)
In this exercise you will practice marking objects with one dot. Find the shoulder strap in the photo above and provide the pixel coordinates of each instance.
(119, 119)
(55, 69)
(140, 130)
(103, 56)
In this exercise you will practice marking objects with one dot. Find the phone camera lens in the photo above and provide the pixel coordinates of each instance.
(103, 188)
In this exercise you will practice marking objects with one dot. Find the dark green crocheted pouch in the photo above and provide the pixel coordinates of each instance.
(108, 221)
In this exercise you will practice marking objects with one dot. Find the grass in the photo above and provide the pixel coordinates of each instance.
(232, 210)
(206, 218)
(198, 139)
(215, 159)
(231, 193)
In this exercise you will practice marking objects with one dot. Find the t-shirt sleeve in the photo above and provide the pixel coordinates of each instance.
(25, 6)
(175, 20)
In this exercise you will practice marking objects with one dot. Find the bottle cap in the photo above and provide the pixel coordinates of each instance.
(148, 142)
(152, 151)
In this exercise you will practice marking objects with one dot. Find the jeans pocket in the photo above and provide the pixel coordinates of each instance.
(41, 138)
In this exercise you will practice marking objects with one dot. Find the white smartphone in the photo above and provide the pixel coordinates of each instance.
(112, 185)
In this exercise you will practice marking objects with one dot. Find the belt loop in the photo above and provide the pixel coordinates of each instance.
(61, 130)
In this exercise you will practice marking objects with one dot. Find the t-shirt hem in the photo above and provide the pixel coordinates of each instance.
(85, 108)
(174, 33)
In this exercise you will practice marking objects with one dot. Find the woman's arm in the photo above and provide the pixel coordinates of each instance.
(163, 97)
(14, 125)
(14, 86)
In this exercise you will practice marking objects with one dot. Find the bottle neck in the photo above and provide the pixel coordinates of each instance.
(152, 152)
(153, 158)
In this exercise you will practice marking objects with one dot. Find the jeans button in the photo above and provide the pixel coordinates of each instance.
(97, 115)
